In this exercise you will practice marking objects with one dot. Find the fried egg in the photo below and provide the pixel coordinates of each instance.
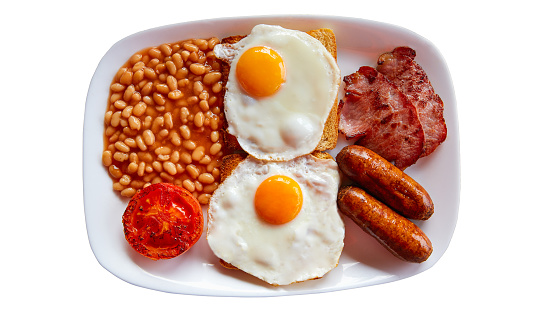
(278, 221)
(281, 87)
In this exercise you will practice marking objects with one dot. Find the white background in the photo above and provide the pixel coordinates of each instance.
(50, 50)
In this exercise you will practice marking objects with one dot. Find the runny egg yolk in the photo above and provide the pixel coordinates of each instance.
(260, 71)
(278, 199)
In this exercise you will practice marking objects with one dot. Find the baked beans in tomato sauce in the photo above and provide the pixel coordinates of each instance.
(164, 117)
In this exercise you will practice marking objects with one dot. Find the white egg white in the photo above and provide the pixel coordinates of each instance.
(305, 248)
(290, 122)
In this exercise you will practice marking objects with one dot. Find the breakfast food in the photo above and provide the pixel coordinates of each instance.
(164, 117)
(397, 234)
(393, 109)
(277, 221)
(384, 181)
(281, 90)
(382, 117)
(162, 221)
(404, 72)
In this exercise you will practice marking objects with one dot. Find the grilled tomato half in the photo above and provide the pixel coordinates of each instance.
(162, 221)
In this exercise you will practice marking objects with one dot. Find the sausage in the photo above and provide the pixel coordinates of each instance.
(385, 182)
(397, 234)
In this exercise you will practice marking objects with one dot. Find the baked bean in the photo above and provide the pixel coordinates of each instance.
(198, 186)
(163, 133)
(192, 100)
(169, 167)
(139, 109)
(210, 188)
(137, 184)
(214, 136)
(216, 173)
(148, 101)
(199, 119)
(175, 138)
(120, 104)
(121, 146)
(135, 58)
(155, 53)
(159, 99)
(217, 87)
(192, 170)
(163, 150)
(175, 94)
(190, 186)
(120, 156)
(147, 89)
(128, 192)
(206, 178)
(141, 169)
(166, 49)
(186, 158)
(162, 88)
(125, 180)
(117, 87)
(149, 73)
(190, 47)
(215, 148)
(137, 66)
(148, 137)
(189, 145)
(171, 67)
(133, 157)
(174, 158)
(204, 199)
(198, 153)
(203, 104)
(197, 69)
(107, 158)
(205, 160)
(138, 76)
(177, 60)
(211, 78)
(140, 143)
(115, 172)
(168, 121)
(127, 112)
(116, 96)
(212, 42)
(127, 95)
(118, 187)
(126, 78)
(214, 124)
(157, 124)
(198, 88)
(130, 142)
(157, 166)
(184, 116)
(166, 177)
(134, 123)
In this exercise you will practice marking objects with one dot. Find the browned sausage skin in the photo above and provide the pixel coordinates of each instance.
(386, 182)
(397, 234)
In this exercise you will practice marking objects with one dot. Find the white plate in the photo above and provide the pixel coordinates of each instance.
(363, 262)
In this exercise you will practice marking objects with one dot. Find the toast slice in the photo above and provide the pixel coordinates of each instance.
(330, 132)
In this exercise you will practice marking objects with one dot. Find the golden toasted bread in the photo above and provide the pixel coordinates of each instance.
(330, 132)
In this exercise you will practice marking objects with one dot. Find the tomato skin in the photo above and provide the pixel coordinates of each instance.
(162, 221)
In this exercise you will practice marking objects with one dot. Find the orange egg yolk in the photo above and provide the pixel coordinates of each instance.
(260, 71)
(278, 199)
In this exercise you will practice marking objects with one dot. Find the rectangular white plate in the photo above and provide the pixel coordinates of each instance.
(363, 262)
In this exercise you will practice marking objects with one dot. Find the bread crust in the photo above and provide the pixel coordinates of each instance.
(329, 137)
